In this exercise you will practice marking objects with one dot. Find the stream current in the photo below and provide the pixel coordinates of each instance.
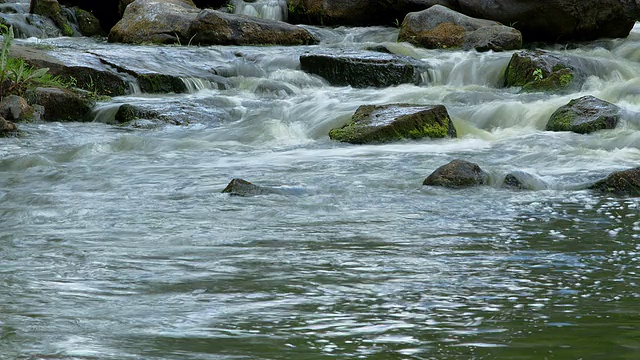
(116, 243)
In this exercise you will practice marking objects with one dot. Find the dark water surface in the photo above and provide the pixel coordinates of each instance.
(116, 243)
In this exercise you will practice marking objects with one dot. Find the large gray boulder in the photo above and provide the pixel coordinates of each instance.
(585, 115)
(440, 27)
(458, 174)
(393, 122)
(364, 69)
(156, 22)
(211, 27)
(558, 20)
(625, 182)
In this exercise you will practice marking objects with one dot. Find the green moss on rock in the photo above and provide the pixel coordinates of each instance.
(625, 182)
(584, 115)
(393, 122)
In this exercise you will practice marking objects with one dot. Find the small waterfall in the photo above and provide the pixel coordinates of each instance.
(195, 84)
(266, 9)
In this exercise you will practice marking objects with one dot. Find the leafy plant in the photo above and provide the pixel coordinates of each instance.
(16, 76)
(537, 74)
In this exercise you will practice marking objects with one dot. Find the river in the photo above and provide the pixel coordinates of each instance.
(117, 243)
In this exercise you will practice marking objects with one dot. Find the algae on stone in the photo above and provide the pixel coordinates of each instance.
(392, 122)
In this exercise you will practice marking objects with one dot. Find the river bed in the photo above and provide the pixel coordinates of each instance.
(116, 242)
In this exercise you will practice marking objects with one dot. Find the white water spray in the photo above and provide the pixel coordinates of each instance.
(266, 9)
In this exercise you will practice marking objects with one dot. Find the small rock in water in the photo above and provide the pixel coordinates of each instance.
(241, 187)
(458, 174)
(585, 115)
(625, 182)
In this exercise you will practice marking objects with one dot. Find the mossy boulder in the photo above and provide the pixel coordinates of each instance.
(241, 187)
(88, 24)
(213, 27)
(155, 22)
(585, 115)
(16, 108)
(52, 10)
(542, 71)
(458, 174)
(362, 69)
(626, 182)
(393, 122)
(60, 104)
(440, 27)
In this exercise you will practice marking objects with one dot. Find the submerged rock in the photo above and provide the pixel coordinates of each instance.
(520, 180)
(626, 182)
(364, 69)
(585, 115)
(458, 174)
(7, 128)
(540, 71)
(60, 104)
(213, 27)
(241, 187)
(386, 123)
(156, 22)
(16, 108)
(440, 27)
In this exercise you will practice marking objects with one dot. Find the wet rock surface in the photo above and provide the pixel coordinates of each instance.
(363, 69)
(626, 182)
(393, 122)
(458, 174)
(585, 115)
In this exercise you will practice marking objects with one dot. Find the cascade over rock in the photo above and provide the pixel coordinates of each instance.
(393, 122)
(585, 115)
(52, 10)
(440, 27)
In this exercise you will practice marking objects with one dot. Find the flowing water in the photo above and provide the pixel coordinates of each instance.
(116, 243)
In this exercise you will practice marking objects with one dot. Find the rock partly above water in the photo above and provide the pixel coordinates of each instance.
(16, 108)
(439, 27)
(520, 180)
(7, 128)
(241, 187)
(625, 182)
(585, 115)
(61, 104)
(364, 69)
(393, 122)
(540, 71)
(458, 174)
